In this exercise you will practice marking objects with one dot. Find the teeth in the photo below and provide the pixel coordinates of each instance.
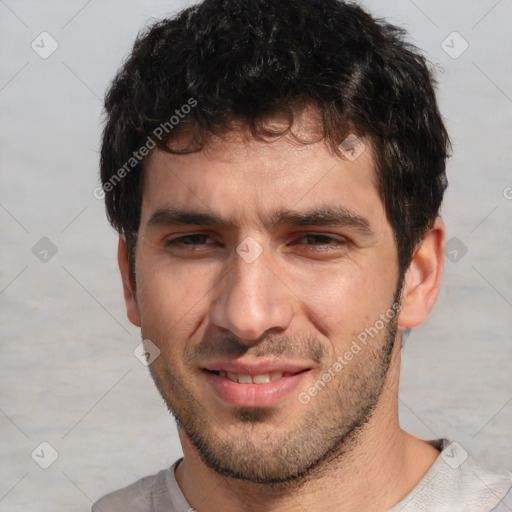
(263, 378)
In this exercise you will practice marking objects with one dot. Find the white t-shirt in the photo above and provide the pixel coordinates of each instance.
(454, 483)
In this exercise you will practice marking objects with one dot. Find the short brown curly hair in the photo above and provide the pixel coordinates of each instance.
(241, 61)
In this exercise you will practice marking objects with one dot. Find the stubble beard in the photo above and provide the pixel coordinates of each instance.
(325, 432)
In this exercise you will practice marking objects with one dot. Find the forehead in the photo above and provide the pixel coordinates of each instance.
(246, 180)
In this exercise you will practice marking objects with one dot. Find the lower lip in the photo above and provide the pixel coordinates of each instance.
(253, 395)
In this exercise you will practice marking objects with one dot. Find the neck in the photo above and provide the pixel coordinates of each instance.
(373, 471)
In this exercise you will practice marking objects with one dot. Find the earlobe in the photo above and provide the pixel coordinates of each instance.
(423, 277)
(130, 297)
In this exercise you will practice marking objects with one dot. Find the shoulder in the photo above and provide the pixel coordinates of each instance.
(479, 487)
(458, 483)
(136, 497)
(505, 505)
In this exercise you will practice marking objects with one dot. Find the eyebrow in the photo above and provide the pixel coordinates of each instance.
(332, 216)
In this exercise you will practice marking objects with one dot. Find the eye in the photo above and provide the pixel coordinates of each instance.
(322, 242)
(187, 240)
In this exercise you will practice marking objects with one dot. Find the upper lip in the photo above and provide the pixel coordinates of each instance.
(255, 367)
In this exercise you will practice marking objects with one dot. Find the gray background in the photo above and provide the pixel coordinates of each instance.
(67, 372)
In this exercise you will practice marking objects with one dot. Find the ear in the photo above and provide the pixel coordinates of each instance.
(422, 279)
(130, 297)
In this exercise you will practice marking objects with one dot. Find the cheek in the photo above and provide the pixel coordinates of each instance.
(345, 300)
(170, 299)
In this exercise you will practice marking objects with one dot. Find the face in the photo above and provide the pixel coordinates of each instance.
(259, 266)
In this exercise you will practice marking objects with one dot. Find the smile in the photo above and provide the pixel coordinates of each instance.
(257, 390)
(263, 378)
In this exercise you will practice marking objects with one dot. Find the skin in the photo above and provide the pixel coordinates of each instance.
(303, 299)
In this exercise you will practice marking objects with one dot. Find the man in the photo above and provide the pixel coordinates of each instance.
(275, 171)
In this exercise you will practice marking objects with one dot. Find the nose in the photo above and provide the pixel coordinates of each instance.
(252, 299)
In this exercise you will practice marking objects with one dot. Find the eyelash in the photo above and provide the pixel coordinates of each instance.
(337, 242)
(179, 240)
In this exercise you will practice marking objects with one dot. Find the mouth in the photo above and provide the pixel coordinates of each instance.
(262, 389)
(262, 378)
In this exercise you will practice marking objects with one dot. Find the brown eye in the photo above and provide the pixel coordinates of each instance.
(323, 241)
(196, 239)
